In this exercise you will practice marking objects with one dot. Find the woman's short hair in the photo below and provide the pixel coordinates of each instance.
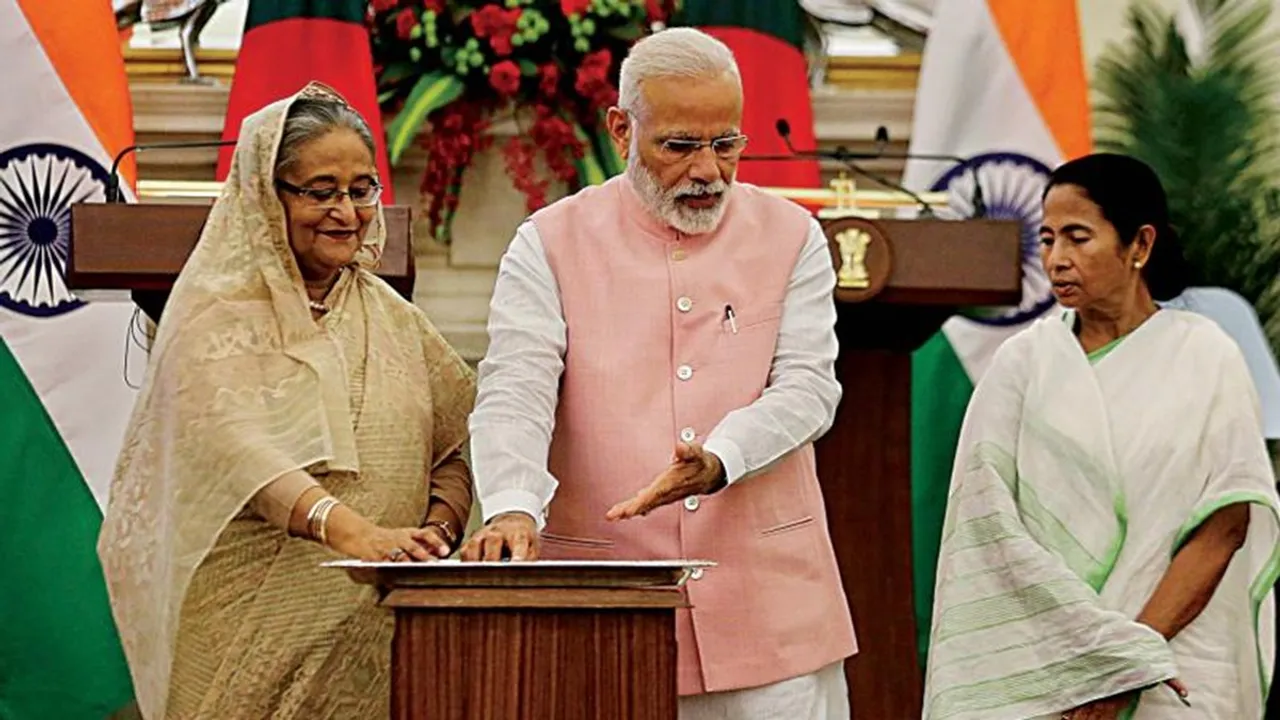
(1130, 195)
(311, 118)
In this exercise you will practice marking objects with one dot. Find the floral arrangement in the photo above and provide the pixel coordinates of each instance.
(552, 64)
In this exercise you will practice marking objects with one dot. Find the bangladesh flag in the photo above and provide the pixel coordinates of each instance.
(289, 43)
(766, 37)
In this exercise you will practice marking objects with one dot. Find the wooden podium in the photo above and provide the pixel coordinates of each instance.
(531, 641)
(897, 281)
(142, 247)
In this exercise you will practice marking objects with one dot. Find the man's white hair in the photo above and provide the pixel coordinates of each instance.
(673, 52)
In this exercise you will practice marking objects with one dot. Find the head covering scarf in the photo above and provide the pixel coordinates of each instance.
(244, 386)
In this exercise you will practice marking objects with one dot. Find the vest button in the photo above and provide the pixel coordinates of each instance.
(684, 304)
(684, 372)
(691, 503)
(688, 434)
(695, 574)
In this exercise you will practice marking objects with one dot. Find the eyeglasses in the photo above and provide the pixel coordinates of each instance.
(725, 148)
(362, 196)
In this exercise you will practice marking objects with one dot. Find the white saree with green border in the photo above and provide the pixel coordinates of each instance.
(1075, 484)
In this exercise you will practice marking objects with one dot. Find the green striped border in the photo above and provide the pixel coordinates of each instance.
(1267, 576)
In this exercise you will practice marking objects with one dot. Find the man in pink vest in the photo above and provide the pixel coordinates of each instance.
(661, 359)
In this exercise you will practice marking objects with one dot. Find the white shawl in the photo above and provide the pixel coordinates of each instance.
(1074, 486)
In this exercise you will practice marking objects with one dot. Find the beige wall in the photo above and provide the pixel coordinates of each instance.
(1103, 22)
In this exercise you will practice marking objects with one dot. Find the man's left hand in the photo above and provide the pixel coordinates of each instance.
(694, 472)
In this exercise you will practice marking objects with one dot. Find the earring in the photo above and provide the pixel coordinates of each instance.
(1137, 264)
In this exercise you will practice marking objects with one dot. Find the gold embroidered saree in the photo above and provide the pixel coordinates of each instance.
(221, 614)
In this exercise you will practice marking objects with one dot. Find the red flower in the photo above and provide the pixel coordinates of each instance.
(519, 154)
(549, 80)
(435, 6)
(458, 133)
(574, 7)
(406, 21)
(559, 144)
(501, 45)
(592, 80)
(505, 77)
(600, 59)
(384, 5)
(497, 25)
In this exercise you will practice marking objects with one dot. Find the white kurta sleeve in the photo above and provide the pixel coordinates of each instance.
(519, 384)
(799, 403)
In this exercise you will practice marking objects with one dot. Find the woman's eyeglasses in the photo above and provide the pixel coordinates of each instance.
(362, 196)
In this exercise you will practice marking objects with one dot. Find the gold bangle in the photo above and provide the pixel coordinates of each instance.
(324, 522)
(318, 519)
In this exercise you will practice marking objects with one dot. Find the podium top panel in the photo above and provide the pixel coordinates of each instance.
(132, 246)
(534, 574)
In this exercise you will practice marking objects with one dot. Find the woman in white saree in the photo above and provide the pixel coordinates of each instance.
(1110, 544)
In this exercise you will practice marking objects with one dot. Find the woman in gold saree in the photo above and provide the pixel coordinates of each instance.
(296, 410)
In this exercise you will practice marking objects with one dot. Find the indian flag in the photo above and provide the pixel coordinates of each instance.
(1002, 84)
(63, 392)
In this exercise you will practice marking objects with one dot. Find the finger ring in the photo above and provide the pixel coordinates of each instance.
(396, 554)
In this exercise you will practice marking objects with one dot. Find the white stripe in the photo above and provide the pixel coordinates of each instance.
(972, 100)
(75, 362)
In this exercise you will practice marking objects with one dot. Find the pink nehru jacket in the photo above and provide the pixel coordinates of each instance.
(649, 356)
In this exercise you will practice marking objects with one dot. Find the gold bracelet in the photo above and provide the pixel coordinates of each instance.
(311, 516)
(447, 531)
(318, 519)
(324, 523)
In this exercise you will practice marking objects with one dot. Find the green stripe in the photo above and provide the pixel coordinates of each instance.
(940, 391)
(59, 653)
(1069, 453)
(1068, 316)
(1050, 531)
(783, 19)
(1010, 607)
(986, 530)
(262, 12)
(1043, 524)
(1097, 668)
(1104, 351)
(1012, 643)
(1265, 581)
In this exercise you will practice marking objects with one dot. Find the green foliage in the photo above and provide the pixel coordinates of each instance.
(1209, 127)
(430, 93)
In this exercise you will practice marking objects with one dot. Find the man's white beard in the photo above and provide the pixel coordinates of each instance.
(665, 202)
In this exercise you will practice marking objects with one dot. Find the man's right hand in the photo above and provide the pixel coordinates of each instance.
(512, 534)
